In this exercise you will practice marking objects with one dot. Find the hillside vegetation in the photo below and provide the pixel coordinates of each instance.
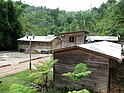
(16, 19)
(108, 19)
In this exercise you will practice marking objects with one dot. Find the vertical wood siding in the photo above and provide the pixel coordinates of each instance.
(99, 66)
(78, 39)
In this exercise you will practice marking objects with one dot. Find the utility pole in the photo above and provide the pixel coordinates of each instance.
(30, 47)
(30, 56)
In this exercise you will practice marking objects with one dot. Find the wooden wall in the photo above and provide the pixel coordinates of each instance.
(120, 77)
(79, 38)
(40, 45)
(113, 88)
(23, 45)
(55, 43)
(99, 66)
(37, 45)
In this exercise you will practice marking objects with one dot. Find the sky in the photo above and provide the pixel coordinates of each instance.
(67, 5)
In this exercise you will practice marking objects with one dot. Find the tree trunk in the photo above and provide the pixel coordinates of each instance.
(46, 82)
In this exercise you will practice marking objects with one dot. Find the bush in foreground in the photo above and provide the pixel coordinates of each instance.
(17, 88)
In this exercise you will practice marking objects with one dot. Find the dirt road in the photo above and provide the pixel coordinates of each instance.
(15, 68)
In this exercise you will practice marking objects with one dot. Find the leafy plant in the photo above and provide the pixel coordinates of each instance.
(17, 88)
(80, 91)
(80, 71)
(43, 73)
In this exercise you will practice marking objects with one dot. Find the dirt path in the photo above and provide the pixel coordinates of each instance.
(15, 68)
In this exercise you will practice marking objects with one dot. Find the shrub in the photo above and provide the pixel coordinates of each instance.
(80, 91)
(43, 74)
(80, 71)
(17, 88)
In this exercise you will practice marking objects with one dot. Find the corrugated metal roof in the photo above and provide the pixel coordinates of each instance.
(48, 38)
(104, 47)
(107, 38)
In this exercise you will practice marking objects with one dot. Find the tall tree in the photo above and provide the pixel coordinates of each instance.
(108, 19)
(14, 25)
(2, 22)
(10, 25)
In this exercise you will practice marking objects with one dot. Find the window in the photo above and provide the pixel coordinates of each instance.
(71, 39)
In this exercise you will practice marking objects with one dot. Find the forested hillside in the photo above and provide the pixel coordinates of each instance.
(16, 19)
(108, 19)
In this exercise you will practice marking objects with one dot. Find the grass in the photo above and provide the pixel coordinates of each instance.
(19, 78)
(24, 79)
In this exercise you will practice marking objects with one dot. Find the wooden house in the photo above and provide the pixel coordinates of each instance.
(101, 59)
(39, 43)
(73, 38)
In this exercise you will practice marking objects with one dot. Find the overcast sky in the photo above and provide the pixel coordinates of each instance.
(68, 5)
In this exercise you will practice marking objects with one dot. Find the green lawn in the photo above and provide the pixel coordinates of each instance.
(23, 79)
(19, 78)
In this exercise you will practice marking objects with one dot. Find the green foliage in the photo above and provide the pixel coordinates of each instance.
(80, 71)
(17, 88)
(108, 19)
(52, 21)
(19, 78)
(80, 91)
(46, 67)
(24, 75)
(43, 74)
(22, 78)
(17, 18)
(11, 28)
